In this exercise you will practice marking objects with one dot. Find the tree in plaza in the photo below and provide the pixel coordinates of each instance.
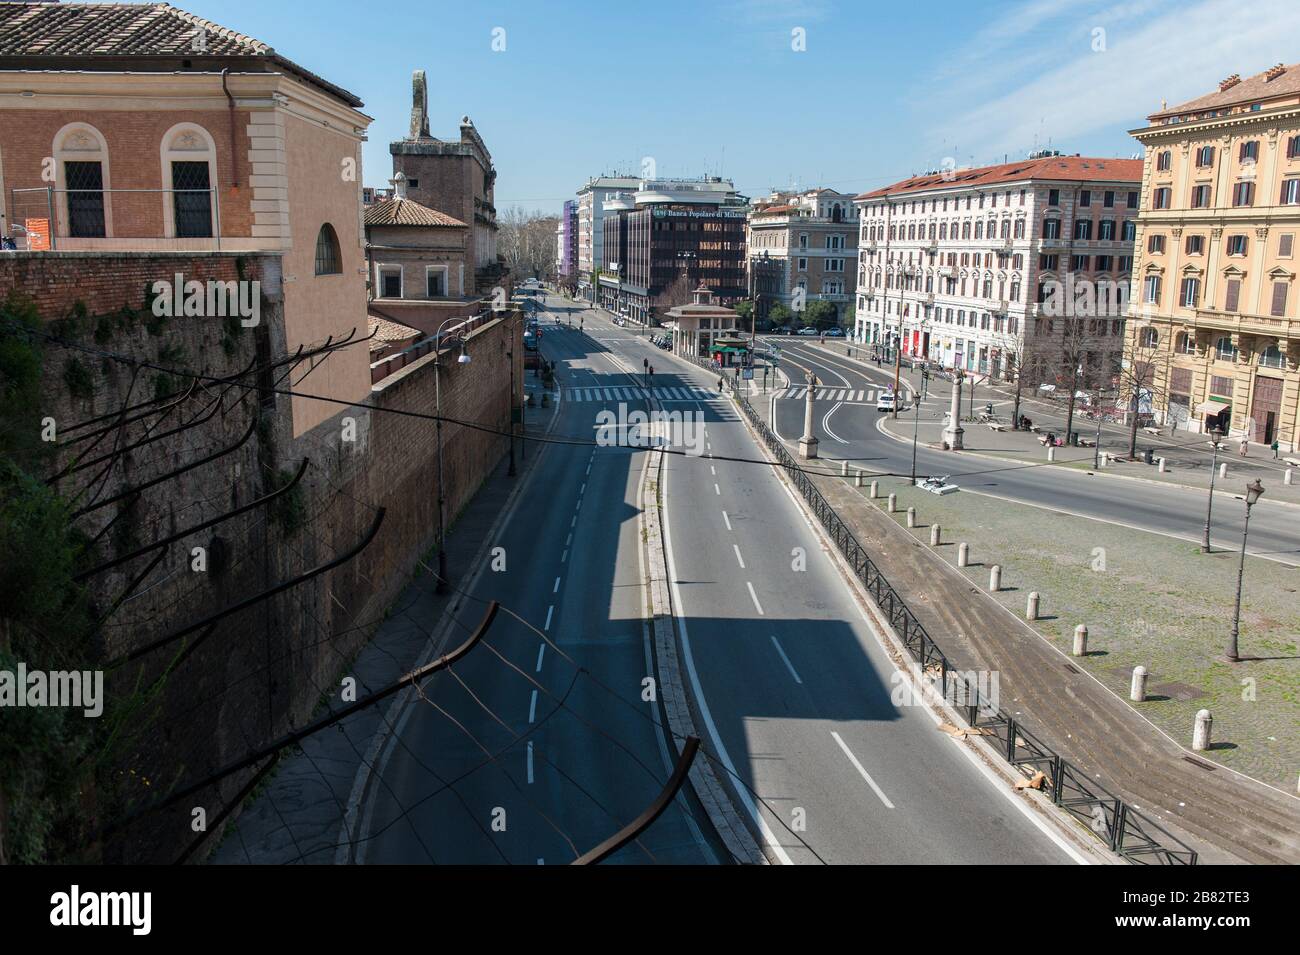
(779, 315)
(527, 241)
(819, 313)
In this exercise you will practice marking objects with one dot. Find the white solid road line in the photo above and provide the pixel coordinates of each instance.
(740, 560)
(753, 596)
(826, 423)
(769, 838)
(858, 766)
(784, 659)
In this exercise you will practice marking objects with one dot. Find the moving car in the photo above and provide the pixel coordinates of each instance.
(530, 341)
(885, 401)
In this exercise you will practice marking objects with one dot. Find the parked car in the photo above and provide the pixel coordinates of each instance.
(530, 341)
(835, 333)
(885, 401)
(783, 330)
(808, 330)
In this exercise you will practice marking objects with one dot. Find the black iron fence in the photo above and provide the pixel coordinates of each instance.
(1127, 832)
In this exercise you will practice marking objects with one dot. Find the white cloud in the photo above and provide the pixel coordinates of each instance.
(1177, 55)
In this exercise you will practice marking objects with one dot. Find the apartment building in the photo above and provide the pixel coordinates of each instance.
(994, 268)
(1214, 326)
(800, 247)
(668, 238)
(591, 232)
(566, 245)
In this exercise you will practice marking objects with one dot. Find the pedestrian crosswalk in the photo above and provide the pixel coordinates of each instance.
(685, 393)
(828, 394)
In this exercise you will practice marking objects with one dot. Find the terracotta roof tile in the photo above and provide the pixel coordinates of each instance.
(397, 211)
(1049, 168)
(83, 31)
(1256, 89)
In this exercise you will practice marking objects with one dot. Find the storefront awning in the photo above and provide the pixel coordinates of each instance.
(1212, 407)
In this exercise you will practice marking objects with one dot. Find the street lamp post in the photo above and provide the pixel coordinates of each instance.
(1215, 434)
(462, 359)
(1254, 491)
(916, 425)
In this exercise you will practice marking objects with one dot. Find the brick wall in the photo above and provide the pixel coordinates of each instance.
(263, 669)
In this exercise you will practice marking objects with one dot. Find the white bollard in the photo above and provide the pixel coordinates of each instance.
(1201, 733)
(1137, 691)
(934, 535)
(1080, 648)
(875, 488)
(1223, 471)
(1162, 465)
(844, 468)
(1051, 454)
(995, 578)
(893, 499)
(857, 482)
(1286, 478)
(1031, 607)
(963, 554)
(911, 517)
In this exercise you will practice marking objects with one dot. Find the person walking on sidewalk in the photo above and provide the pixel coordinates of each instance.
(1243, 447)
(1275, 455)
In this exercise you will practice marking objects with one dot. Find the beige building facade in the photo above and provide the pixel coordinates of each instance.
(1215, 316)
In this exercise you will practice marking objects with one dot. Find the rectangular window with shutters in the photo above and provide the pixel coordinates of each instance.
(1232, 295)
(1200, 197)
(1220, 385)
(1284, 244)
(1278, 306)
(85, 181)
(1180, 380)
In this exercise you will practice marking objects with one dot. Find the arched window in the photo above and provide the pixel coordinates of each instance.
(1148, 338)
(1184, 344)
(328, 259)
(189, 171)
(82, 178)
(1225, 350)
(1272, 357)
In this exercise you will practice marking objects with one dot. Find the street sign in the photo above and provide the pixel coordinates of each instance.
(747, 374)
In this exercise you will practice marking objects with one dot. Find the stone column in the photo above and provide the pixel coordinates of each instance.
(954, 431)
(808, 443)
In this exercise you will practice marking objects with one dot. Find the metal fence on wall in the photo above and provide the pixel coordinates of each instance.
(1126, 831)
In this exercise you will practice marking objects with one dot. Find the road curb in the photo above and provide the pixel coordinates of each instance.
(717, 802)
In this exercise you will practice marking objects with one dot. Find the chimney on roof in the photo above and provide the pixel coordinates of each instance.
(1230, 82)
(1274, 73)
(399, 184)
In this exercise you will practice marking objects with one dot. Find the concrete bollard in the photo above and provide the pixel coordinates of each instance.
(995, 578)
(1031, 606)
(911, 517)
(1102, 459)
(1286, 478)
(844, 468)
(1051, 454)
(893, 501)
(1162, 465)
(934, 535)
(1137, 691)
(1223, 471)
(963, 554)
(1201, 732)
(857, 481)
(1080, 648)
(875, 489)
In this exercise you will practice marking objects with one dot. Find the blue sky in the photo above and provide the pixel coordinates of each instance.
(881, 90)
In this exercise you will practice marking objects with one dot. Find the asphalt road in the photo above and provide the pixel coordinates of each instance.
(797, 689)
(850, 432)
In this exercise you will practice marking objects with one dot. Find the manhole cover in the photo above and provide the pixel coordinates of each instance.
(1178, 691)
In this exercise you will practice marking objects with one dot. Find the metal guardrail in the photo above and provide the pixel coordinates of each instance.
(1126, 831)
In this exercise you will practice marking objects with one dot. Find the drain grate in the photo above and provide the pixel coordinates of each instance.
(1200, 765)
(1072, 668)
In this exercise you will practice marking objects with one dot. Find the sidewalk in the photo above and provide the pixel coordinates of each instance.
(1225, 816)
(1188, 456)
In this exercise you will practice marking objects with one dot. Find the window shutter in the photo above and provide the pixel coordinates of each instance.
(1279, 298)
(1284, 245)
(1234, 293)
